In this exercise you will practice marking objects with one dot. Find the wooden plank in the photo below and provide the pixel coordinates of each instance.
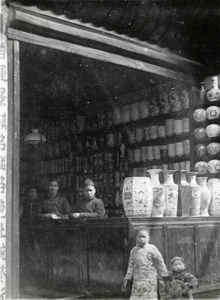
(13, 170)
(98, 55)
(88, 31)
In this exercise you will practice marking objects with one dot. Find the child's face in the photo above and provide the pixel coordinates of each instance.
(89, 192)
(178, 266)
(142, 238)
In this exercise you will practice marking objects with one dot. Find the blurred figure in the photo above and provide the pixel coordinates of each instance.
(29, 206)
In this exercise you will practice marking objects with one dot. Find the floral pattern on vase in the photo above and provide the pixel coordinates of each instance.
(158, 193)
(214, 93)
(171, 192)
(195, 194)
(205, 197)
(214, 186)
(137, 196)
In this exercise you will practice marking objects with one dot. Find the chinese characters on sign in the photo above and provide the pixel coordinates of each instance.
(3, 160)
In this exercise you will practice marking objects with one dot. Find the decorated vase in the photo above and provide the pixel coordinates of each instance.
(164, 103)
(205, 197)
(171, 194)
(214, 166)
(175, 101)
(214, 186)
(158, 193)
(184, 195)
(195, 196)
(137, 196)
(214, 93)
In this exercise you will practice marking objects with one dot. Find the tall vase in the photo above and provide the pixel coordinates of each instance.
(195, 194)
(205, 196)
(214, 93)
(214, 186)
(158, 194)
(184, 195)
(137, 196)
(171, 192)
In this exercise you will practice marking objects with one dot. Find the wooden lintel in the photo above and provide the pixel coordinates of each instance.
(97, 54)
(62, 24)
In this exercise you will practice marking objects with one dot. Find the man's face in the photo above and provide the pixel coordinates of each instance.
(32, 194)
(53, 188)
(89, 192)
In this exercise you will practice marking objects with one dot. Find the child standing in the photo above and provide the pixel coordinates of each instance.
(144, 263)
(182, 282)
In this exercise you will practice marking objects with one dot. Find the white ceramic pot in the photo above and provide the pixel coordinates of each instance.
(214, 166)
(201, 167)
(205, 196)
(213, 148)
(199, 115)
(137, 196)
(213, 130)
(171, 192)
(214, 93)
(212, 112)
(195, 194)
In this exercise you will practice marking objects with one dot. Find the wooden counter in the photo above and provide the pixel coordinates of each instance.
(92, 255)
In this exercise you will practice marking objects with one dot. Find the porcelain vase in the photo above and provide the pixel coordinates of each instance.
(214, 93)
(137, 196)
(184, 195)
(158, 193)
(205, 197)
(214, 186)
(195, 191)
(171, 192)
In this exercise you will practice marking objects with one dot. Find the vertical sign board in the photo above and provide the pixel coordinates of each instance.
(3, 156)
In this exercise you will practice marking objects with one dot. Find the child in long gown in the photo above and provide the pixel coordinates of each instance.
(145, 263)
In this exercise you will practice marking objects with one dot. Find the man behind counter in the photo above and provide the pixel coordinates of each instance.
(90, 206)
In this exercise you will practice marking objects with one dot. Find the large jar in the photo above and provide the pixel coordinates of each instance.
(171, 190)
(158, 193)
(195, 191)
(137, 196)
(214, 186)
(144, 109)
(205, 196)
(184, 195)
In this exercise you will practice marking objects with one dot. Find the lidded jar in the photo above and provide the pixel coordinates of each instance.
(171, 192)
(158, 193)
(195, 191)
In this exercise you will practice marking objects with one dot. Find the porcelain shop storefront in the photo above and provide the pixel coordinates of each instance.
(91, 92)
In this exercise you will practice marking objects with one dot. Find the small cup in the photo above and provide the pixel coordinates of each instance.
(171, 150)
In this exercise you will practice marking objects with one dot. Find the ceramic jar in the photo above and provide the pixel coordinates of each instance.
(137, 196)
(169, 127)
(144, 153)
(202, 93)
(171, 192)
(213, 148)
(214, 93)
(144, 109)
(214, 166)
(214, 186)
(199, 115)
(195, 191)
(135, 113)
(116, 116)
(175, 101)
(184, 195)
(150, 153)
(125, 113)
(156, 151)
(212, 112)
(137, 155)
(158, 193)
(186, 147)
(131, 135)
(184, 97)
(179, 149)
(185, 125)
(154, 106)
(201, 167)
(164, 104)
(205, 197)
(178, 127)
(153, 132)
(200, 150)
(161, 131)
(213, 130)
(200, 133)
(139, 134)
(171, 150)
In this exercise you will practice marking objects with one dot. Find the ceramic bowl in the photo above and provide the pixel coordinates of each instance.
(200, 133)
(212, 112)
(199, 115)
(214, 166)
(200, 150)
(213, 130)
(201, 167)
(213, 148)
